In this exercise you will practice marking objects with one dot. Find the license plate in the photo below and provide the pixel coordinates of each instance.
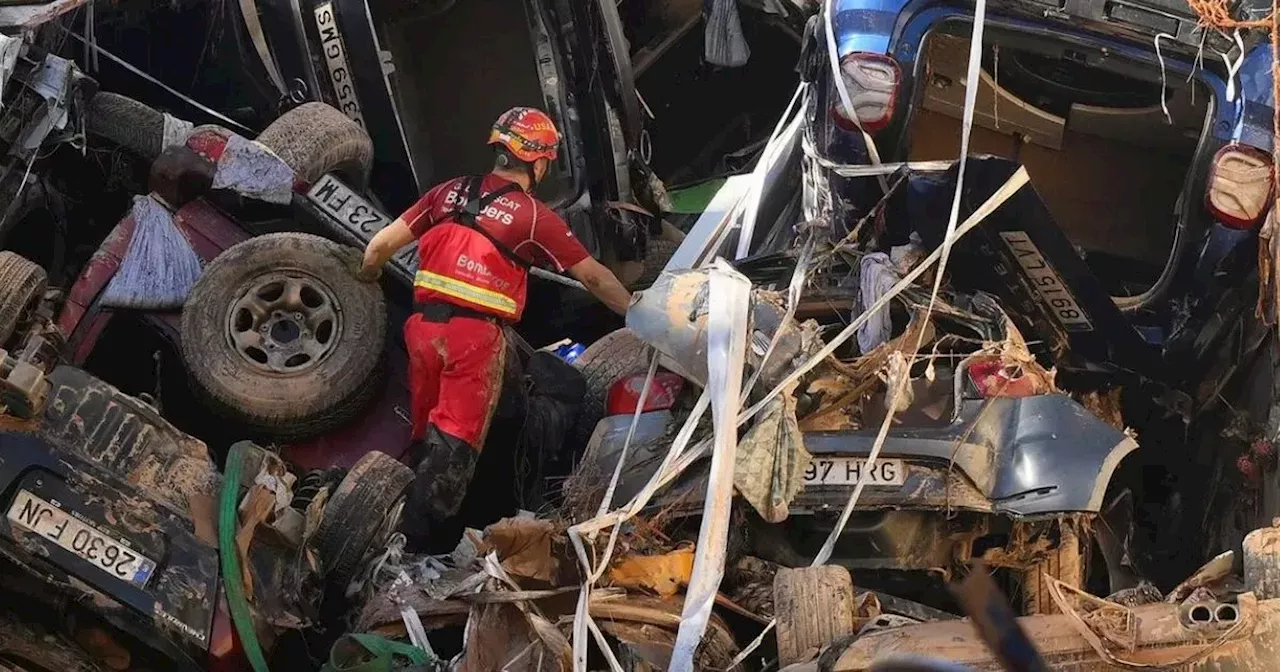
(335, 58)
(358, 216)
(82, 539)
(849, 470)
(1049, 286)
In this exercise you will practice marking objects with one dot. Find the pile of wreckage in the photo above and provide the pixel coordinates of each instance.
(856, 404)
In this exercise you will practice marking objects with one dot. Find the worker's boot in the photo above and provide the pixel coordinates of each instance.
(440, 484)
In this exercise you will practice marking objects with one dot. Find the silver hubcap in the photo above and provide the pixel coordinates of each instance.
(284, 323)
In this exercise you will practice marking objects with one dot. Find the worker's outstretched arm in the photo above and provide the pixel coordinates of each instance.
(602, 283)
(385, 244)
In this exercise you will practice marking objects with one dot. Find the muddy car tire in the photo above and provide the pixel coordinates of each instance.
(315, 139)
(27, 647)
(1065, 563)
(616, 355)
(360, 513)
(279, 336)
(22, 283)
(658, 251)
(813, 607)
(126, 122)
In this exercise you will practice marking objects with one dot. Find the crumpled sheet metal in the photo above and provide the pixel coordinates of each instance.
(52, 82)
(249, 168)
(726, 355)
(772, 459)
(673, 317)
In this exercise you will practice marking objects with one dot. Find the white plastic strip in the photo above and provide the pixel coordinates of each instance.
(761, 171)
(607, 500)
(729, 309)
(966, 127)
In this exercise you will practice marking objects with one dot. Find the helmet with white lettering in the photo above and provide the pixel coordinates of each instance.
(527, 133)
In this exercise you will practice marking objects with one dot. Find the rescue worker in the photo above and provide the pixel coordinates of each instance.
(477, 238)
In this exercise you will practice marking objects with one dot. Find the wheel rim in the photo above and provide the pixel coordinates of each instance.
(284, 323)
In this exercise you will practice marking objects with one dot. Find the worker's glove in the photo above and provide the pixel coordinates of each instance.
(353, 259)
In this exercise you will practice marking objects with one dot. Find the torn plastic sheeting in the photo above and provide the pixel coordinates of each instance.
(772, 459)
(250, 169)
(726, 358)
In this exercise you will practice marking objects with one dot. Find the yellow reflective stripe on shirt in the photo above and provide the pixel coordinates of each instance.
(467, 292)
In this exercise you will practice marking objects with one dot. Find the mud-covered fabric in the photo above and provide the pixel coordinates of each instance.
(439, 485)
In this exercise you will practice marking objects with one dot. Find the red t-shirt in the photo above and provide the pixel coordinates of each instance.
(520, 221)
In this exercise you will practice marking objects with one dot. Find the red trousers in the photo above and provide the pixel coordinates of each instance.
(455, 375)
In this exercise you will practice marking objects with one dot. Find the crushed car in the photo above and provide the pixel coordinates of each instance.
(127, 546)
(1089, 354)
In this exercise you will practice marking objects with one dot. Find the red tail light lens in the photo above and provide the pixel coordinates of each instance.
(872, 81)
(1239, 187)
(624, 396)
(994, 378)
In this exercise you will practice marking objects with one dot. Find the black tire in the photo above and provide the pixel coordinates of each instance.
(616, 355)
(27, 647)
(658, 252)
(315, 139)
(274, 387)
(22, 283)
(126, 122)
(359, 512)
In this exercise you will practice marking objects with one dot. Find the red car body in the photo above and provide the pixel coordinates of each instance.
(384, 425)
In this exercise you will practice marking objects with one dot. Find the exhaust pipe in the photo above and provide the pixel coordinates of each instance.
(1200, 614)
(1226, 614)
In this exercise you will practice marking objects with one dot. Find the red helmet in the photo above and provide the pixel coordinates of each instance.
(527, 133)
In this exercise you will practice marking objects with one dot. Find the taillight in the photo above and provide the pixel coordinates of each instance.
(1239, 188)
(624, 396)
(872, 81)
(993, 378)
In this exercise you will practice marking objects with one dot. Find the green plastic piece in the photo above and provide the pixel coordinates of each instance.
(232, 584)
(694, 199)
(344, 656)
